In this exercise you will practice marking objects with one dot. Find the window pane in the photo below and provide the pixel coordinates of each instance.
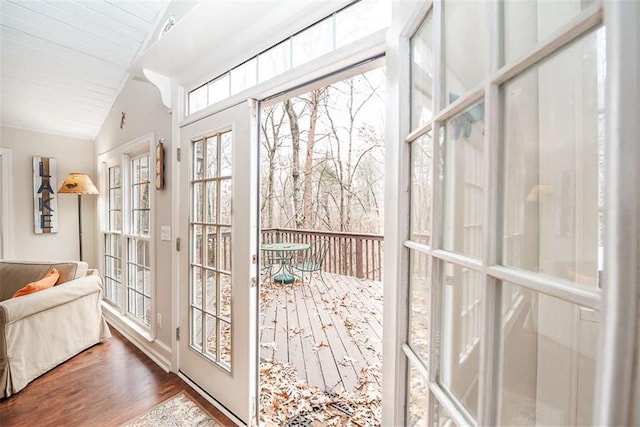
(419, 304)
(212, 292)
(198, 99)
(244, 76)
(212, 157)
(361, 19)
(197, 202)
(225, 154)
(218, 89)
(196, 287)
(312, 42)
(461, 297)
(421, 189)
(212, 247)
(553, 164)
(441, 417)
(225, 202)
(211, 336)
(225, 342)
(225, 261)
(465, 46)
(212, 195)
(526, 22)
(198, 160)
(197, 245)
(225, 295)
(274, 61)
(422, 74)
(549, 359)
(417, 398)
(196, 328)
(463, 154)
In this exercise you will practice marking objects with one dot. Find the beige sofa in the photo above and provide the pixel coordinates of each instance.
(43, 329)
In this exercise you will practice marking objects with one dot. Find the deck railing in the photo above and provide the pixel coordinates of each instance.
(349, 254)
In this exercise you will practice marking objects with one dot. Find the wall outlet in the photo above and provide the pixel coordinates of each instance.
(159, 320)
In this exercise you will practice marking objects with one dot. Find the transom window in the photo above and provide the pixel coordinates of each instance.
(358, 20)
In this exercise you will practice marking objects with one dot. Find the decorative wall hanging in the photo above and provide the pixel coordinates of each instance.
(45, 203)
(160, 165)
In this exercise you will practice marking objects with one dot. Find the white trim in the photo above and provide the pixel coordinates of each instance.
(456, 258)
(584, 22)
(554, 286)
(6, 203)
(460, 104)
(458, 416)
(616, 392)
(151, 348)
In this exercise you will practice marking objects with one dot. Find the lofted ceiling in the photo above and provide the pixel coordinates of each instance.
(63, 62)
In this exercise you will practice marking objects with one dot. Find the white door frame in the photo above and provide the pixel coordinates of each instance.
(6, 203)
(617, 392)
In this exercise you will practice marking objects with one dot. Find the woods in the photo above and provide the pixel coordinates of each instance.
(322, 157)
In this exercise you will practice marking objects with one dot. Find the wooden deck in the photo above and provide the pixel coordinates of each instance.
(330, 332)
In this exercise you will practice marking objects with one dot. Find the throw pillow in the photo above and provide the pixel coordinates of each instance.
(47, 281)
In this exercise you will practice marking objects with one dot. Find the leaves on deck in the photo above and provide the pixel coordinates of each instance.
(283, 391)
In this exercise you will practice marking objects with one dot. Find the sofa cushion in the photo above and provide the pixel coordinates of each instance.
(15, 274)
(46, 282)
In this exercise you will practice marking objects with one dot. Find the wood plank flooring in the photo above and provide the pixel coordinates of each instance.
(330, 332)
(106, 385)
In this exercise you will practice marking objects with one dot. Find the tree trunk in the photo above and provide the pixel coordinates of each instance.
(295, 160)
(307, 220)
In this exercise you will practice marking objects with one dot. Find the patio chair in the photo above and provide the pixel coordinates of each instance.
(312, 260)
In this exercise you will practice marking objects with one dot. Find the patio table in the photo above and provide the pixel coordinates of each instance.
(284, 252)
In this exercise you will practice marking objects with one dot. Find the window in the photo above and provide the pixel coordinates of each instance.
(210, 253)
(357, 20)
(127, 231)
(138, 243)
(113, 238)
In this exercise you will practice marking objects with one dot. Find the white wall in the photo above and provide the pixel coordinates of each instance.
(144, 112)
(73, 155)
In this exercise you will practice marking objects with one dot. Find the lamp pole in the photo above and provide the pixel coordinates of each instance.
(80, 225)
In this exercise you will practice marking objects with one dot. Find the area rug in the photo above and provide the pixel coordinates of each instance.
(177, 411)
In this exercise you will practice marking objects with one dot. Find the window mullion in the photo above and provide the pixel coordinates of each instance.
(435, 322)
(125, 203)
(490, 299)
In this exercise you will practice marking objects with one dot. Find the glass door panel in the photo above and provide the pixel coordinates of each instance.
(218, 301)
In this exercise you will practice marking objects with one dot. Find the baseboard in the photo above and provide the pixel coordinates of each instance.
(149, 348)
(211, 400)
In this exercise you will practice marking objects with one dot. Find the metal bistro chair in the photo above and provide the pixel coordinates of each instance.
(312, 260)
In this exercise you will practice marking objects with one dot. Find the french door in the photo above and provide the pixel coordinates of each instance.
(218, 229)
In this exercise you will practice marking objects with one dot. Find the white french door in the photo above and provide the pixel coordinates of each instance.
(218, 229)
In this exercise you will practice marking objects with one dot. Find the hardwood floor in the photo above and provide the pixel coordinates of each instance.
(105, 385)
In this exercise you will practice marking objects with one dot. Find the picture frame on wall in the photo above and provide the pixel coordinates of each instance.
(45, 200)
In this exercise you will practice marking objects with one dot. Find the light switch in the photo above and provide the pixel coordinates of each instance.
(165, 232)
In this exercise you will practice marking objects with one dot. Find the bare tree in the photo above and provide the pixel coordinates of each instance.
(271, 141)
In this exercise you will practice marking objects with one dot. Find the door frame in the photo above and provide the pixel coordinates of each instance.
(6, 203)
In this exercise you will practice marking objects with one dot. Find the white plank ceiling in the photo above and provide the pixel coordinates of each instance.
(63, 62)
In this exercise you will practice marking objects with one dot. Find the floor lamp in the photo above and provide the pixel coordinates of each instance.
(78, 183)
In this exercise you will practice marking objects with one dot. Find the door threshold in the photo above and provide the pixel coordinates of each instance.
(212, 400)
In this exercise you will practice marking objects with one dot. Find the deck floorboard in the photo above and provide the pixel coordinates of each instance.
(330, 331)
